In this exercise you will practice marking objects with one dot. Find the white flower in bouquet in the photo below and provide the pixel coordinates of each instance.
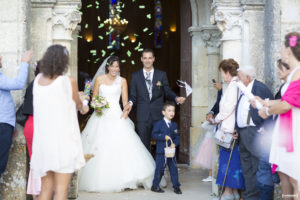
(99, 104)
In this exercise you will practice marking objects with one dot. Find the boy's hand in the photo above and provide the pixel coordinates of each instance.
(167, 137)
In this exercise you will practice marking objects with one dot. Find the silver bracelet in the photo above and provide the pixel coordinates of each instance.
(267, 111)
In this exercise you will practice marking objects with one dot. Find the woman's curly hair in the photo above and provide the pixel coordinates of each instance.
(229, 65)
(55, 61)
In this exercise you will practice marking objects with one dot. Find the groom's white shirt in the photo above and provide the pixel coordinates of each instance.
(151, 75)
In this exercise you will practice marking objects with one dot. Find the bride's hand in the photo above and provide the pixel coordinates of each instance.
(124, 114)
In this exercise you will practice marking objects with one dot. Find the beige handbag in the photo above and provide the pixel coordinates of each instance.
(170, 151)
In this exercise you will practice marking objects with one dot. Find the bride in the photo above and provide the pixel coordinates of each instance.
(120, 159)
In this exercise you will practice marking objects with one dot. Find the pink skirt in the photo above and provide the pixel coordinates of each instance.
(204, 156)
(34, 185)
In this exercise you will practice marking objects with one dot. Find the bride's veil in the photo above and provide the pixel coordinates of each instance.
(100, 71)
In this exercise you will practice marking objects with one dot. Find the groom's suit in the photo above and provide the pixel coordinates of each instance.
(149, 110)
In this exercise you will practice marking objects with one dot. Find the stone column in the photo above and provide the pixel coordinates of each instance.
(199, 82)
(253, 35)
(211, 36)
(64, 21)
(14, 21)
(227, 16)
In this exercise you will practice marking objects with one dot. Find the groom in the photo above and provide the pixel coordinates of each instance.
(147, 91)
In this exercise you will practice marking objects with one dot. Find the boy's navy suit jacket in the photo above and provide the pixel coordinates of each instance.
(160, 130)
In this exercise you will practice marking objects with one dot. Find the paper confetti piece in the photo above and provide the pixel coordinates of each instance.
(123, 61)
(122, 44)
(93, 52)
(150, 33)
(140, 50)
(112, 53)
(132, 62)
(126, 37)
(79, 36)
(101, 25)
(100, 37)
(97, 2)
(141, 6)
(149, 16)
(128, 53)
(136, 35)
(145, 29)
(86, 26)
(98, 18)
(109, 47)
(89, 6)
(103, 53)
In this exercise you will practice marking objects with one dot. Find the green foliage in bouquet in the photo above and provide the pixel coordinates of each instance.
(99, 104)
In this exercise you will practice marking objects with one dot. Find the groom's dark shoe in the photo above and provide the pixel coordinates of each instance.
(177, 190)
(157, 189)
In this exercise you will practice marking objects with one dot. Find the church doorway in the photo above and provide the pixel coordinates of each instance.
(158, 24)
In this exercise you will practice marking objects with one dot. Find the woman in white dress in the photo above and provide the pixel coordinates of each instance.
(120, 159)
(57, 148)
(285, 149)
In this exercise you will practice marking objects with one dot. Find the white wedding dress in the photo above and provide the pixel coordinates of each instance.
(120, 159)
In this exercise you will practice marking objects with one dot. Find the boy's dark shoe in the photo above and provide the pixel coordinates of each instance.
(157, 189)
(177, 190)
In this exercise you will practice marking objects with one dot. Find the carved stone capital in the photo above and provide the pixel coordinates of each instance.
(211, 36)
(228, 19)
(194, 30)
(64, 23)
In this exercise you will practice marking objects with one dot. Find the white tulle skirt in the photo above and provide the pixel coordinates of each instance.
(120, 159)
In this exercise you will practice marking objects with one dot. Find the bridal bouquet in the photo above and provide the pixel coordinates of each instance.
(99, 104)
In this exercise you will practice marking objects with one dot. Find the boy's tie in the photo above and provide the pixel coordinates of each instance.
(169, 124)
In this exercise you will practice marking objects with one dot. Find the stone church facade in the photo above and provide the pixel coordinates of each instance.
(250, 31)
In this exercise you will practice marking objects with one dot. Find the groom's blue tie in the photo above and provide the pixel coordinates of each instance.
(149, 84)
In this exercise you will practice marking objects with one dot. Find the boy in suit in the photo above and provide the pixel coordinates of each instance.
(165, 130)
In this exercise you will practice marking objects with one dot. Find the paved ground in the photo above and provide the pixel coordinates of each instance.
(191, 185)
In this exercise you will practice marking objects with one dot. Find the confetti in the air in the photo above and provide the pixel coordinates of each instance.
(128, 53)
